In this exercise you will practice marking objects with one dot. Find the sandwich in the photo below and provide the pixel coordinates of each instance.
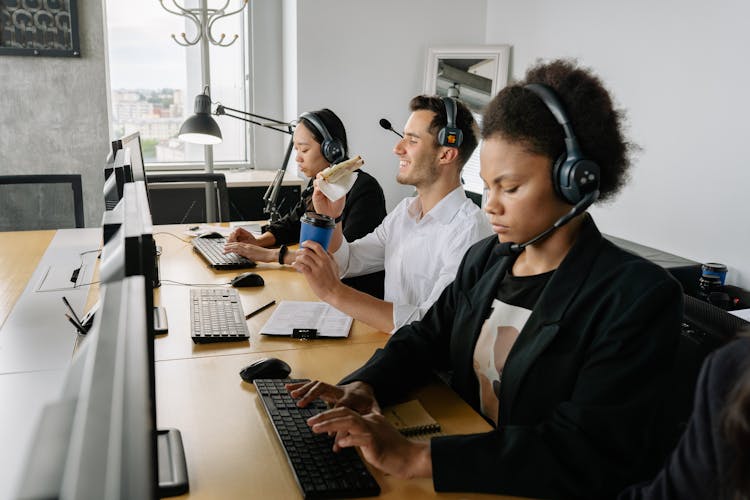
(335, 172)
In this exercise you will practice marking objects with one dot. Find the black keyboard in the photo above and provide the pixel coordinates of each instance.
(212, 250)
(320, 472)
(216, 316)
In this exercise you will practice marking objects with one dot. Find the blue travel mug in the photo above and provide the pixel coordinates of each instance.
(714, 269)
(316, 227)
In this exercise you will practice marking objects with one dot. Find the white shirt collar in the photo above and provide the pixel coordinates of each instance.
(444, 211)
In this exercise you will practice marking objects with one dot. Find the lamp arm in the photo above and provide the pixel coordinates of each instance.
(220, 110)
(271, 126)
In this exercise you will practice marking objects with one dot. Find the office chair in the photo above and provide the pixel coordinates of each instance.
(171, 209)
(705, 328)
(40, 218)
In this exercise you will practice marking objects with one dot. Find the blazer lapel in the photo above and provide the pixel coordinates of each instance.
(544, 323)
(479, 299)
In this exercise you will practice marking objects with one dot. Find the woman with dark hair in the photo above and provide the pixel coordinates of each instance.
(560, 339)
(319, 141)
(712, 459)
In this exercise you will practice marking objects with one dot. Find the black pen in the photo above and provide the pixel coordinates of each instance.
(70, 308)
(78, 328)
(260, 309)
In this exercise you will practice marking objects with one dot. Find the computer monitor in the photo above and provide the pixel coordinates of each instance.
(137, 243)
(133, 143)
(132, 252)
(98, 439)
(113, 184)
(134, 168)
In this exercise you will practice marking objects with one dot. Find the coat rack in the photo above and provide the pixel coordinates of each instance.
(204, 19)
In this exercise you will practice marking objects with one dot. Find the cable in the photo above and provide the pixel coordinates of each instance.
(179, 283)
(173, 236)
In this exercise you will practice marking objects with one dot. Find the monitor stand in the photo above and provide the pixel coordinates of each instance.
(173, 478)
(160, 321)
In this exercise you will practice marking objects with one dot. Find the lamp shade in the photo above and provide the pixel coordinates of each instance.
(201, 128)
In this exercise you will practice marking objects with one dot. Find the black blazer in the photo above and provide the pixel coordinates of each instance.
(581, 385)
(699, 466)
(364, 211)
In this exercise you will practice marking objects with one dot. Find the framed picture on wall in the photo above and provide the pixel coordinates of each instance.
(39, 28)
(473, 75)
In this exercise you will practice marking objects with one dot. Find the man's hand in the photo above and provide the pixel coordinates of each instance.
(319, 268)
(325, 206)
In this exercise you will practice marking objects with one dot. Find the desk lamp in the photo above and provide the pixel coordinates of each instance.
(201, 128)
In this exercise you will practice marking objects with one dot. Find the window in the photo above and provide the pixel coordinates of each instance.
(154, 81)
(470, 173)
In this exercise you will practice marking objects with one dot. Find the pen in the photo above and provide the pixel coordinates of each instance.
(72, 312)
(260, 309)
(78, 328)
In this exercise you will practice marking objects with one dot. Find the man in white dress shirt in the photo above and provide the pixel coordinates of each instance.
(420, 244)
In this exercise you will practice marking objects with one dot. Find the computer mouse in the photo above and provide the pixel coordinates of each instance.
(212, 234)
(248, 279)
(265, 368)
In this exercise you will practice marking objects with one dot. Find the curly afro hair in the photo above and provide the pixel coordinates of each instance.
(518, 115)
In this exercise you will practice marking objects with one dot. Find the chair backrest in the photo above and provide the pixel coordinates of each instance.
(73, 179)
(219, 181)
(705, 329)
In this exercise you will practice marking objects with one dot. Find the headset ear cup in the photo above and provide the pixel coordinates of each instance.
(577, 179)
(557, 182)
(333, 150)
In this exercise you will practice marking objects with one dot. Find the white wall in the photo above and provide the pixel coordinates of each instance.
(679, 68)
(365, 59)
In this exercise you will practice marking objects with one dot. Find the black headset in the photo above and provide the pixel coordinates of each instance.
(573, 175)
(333, 149)
(450, 135)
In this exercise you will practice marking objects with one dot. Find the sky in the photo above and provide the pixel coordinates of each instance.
(142, 53)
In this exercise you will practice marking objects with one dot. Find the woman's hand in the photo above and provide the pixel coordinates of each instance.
(319, 268)
(325, 206)
(252, 251)
(242, 236)
(358, 396)
(381, 444)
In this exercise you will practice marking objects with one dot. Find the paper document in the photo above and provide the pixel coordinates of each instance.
(290, 314)
(742, 313)
(250, 227)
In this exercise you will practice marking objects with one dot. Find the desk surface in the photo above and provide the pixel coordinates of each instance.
(20, 252)
(230, 445)
(179, 263)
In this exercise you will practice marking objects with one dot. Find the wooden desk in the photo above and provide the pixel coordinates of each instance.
(20, 252)
(230, 445)
(179, 263)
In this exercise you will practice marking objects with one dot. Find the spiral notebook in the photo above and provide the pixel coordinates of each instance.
(411, 419)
